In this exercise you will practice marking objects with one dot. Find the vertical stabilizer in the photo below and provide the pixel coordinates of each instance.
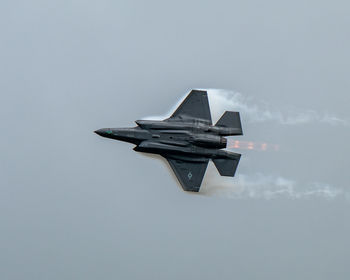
(226, 167)
(231, 120)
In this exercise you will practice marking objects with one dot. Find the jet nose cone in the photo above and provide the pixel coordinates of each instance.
(99, 131)
(105, 132)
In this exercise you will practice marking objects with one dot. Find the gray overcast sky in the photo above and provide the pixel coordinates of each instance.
(76, 206)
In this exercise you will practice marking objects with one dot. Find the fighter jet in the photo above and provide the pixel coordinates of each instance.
(187, 140)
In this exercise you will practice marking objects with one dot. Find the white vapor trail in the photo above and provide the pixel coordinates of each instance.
(257, 113)
(221, 100)
(261, 186)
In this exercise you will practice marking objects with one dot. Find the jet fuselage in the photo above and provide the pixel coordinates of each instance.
(186, 137)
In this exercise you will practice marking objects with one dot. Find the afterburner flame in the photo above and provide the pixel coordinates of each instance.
(249, 145)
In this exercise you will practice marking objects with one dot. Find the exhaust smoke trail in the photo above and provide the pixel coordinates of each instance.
(258, 185)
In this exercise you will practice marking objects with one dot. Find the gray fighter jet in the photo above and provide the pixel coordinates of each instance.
(187, 140)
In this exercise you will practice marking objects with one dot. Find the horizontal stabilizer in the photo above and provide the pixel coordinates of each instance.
(226, 167)
(230, 120)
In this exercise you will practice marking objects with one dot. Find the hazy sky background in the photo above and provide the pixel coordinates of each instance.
(76, 206)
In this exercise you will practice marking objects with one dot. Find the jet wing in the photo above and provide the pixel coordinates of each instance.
(189, 174)
(195, 106)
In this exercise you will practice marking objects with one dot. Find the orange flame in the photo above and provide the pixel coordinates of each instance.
(249, 145)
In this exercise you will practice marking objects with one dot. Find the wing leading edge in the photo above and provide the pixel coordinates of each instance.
(189, 174)
(195, 106)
